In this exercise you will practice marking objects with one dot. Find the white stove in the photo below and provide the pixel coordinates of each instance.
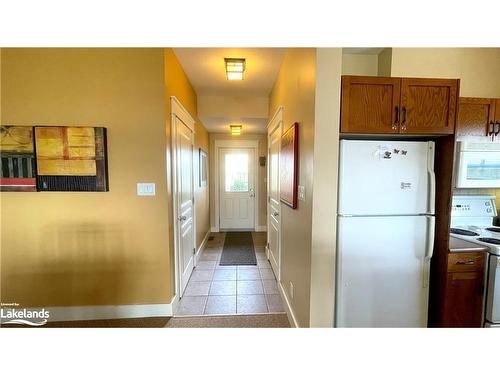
(472, 220)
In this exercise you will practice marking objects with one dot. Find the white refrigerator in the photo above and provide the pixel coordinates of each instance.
(385, 233)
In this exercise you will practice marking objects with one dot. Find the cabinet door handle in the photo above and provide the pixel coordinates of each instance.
(497, 128)
(396, 122)
(465, 262)
(491, 127)
(403, 121)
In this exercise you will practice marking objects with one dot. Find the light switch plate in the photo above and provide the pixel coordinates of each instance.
(301, 193)
(146, 188)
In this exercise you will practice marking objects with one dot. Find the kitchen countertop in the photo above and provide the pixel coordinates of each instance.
(459, 245)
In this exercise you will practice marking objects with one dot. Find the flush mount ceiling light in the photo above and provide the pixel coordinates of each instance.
(234, 68)
(235, 129)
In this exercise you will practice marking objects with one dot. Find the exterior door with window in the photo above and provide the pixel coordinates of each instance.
(237, 189)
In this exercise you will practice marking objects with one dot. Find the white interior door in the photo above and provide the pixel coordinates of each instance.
(237, 189)
(274, 211)
(185, 195)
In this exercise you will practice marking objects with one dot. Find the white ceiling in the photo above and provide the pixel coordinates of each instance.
(206, 71)
(222, 102)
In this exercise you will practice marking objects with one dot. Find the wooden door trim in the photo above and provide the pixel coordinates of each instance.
(276, 124)
(346, 81)
(235, 143)
(177, 111)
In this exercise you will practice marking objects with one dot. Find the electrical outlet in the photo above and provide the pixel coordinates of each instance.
(301, 193)
(291, 289)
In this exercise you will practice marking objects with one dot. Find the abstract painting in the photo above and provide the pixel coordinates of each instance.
(71, 158)
(288, 166)
(18, 159)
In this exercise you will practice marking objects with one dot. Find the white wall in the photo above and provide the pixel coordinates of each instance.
(359, 64)
(477, 68)
(325, 179)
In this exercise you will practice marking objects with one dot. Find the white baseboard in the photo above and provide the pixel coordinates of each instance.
(214, 230)
(72, 313)
(261, 228)
(288, 308)
(202, 245)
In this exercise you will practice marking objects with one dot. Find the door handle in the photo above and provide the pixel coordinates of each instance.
(396, 121)
(182, 218)
(252, 195)
(275, 213)
(491, 128)
(403, 121)
(496, 128)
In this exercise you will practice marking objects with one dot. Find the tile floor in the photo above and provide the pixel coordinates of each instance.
(228, 290)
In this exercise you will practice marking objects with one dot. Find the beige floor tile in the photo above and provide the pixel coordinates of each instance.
(191, 305)
(222, 274)
(220, 305)
(270, 286)
(251, 304)
(267, 274)
(197, 288)
(209, 256)
(248, 273)
(249, 287)
(204, 265)
(261, 263)
(223, 288)
(219, 267)
(274, 303)
(202, 275)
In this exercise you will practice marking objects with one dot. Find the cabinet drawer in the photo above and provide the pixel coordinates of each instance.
(466, 262)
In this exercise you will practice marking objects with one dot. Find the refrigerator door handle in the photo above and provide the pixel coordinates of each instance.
(429, 250)
(432, 179)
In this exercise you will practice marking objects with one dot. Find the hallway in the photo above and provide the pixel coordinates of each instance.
(228, 290)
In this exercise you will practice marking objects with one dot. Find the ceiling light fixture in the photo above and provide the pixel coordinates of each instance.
(234, 68)
(235, 129)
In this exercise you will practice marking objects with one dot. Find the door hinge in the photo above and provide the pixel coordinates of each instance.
(193, 200)
(194, 250)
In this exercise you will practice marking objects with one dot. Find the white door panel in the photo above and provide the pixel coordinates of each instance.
(274, 206)
(385, 177)
(237, 189)
(185, 194)
(382, 272)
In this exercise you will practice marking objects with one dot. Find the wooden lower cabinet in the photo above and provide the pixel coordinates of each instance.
(463, 292)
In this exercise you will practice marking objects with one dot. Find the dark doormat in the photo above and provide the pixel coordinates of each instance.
(238, 250)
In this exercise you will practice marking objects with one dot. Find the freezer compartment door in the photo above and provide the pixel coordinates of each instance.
(386, 178)
(382, 271)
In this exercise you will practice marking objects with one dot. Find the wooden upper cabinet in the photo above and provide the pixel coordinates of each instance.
(391, 105)
(476, 116)
(369, 104)
(428, 106)
(497, 111)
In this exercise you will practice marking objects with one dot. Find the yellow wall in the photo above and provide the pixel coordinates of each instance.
(477, 68)
(76, 248)
(177, 84)
(294, 89)
(384, 62)
(262, 138)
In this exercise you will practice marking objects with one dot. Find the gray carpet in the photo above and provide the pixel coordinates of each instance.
(238, 250)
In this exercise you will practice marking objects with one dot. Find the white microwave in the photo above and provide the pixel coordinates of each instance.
(478, 165)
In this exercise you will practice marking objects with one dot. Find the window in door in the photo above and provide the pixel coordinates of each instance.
(236, 172)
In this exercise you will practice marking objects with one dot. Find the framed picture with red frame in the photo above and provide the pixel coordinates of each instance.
(288, 166)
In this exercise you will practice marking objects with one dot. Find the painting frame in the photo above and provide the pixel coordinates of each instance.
(289, 166)
(203, 162)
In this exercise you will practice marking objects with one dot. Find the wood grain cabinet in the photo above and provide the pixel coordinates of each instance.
(390, 105)
(464, 290)
(478, 117)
